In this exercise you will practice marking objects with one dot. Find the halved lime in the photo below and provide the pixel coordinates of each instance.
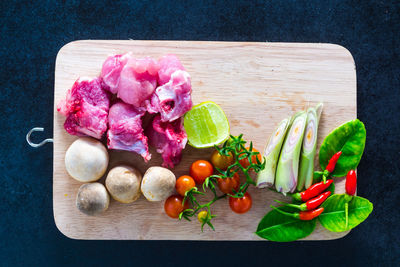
(206, 125)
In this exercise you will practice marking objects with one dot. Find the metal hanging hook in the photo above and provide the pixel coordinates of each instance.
(37, 129)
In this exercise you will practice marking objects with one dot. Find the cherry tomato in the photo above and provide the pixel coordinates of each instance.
(228, 184)
(202, 216)
(200, 170)
(241, 205)
(245, 162)
(173, 206)
(220, 161)
(183, 184)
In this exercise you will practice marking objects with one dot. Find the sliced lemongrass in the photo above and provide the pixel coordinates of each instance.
(307, 154)
(266, 177)
(288, 164)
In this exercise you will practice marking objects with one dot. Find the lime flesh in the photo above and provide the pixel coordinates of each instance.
(206, 125)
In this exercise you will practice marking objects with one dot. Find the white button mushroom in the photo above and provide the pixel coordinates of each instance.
(158, 183)
(86, 159)
(123, 183)
(92, 199)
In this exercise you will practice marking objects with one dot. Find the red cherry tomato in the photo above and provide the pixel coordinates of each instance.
(183, 184)
(228, 184)
(220, 161)
(241, 205)
(200, 170)
(245, 162)
(173, 206)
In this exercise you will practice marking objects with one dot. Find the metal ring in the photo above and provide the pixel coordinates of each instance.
(37, 129)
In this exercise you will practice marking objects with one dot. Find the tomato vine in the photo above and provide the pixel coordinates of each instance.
(234, 147)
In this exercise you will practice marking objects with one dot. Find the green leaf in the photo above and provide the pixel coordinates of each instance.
(281, 228)
(317, 177)
(348, 138)
(334, 218)
(331, 188)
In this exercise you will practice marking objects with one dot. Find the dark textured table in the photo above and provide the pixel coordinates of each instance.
(32, 34)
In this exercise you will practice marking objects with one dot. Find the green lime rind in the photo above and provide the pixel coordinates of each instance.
(206, 125)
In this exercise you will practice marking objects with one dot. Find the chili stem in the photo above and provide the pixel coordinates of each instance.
(288, 204)
(294, 215)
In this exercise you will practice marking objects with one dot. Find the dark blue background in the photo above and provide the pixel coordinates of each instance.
(32, 34)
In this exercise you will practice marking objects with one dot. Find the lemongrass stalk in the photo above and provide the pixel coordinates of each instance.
(309, 148)
(318, 109)
(288, 164)
(266, 177)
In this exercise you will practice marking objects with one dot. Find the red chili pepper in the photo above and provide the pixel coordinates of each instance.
(312, 191)
(332, 162)
(302, 215)
(310, 214)
(315, 202)
(310, 204)
(351, 182)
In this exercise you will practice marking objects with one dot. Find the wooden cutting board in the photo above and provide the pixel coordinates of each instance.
(256, 84)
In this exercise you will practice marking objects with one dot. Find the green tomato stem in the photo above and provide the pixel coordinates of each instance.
(235, 147)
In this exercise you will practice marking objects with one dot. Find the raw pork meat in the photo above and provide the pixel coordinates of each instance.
(86, 108)
(169, 138)
(138, 81)
(111, 71)
(168, 65)
(133, 80)
(173, 99)
(126, 132)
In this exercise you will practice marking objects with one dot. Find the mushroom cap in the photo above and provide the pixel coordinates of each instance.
(123, 183)
(92, 199)
(86, 159)
(158, 183)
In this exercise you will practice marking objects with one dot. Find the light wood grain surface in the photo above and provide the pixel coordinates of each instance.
(256, 84)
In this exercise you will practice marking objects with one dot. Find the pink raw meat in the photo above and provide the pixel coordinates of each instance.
(138, 81)
(169, 138)
(168, 65)
(126, 132)
(173, 99)
(111, 71)
(86, 108)
(132, 79)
